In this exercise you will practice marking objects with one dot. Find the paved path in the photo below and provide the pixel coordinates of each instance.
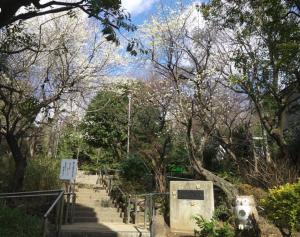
(105, 229)
(95, 215)
(84, 179)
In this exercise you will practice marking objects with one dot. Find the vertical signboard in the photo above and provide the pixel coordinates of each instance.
(68, 170)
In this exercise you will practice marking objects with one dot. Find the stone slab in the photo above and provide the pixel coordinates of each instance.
(103, 229)
(187, 200)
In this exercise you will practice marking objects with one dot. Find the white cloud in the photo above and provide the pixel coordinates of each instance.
(136, 7)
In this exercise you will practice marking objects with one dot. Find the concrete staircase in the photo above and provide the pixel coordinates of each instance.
(95, 206)
(95, 215)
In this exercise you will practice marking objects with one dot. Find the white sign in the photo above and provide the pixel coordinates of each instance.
(68, 169)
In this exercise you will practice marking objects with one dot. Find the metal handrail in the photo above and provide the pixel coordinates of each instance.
(31, 192)
(149, 207)
(111, 187)
(121, 191)
(54, 203)
(58, 203)
(29, 195)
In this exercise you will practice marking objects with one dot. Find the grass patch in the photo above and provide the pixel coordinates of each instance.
(15, 222)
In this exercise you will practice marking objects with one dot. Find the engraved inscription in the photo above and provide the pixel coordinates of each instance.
(190, 194)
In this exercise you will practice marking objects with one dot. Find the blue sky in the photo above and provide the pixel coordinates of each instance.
(141, 9)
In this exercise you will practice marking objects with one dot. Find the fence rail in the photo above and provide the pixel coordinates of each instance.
(59, 206)
(130, 204)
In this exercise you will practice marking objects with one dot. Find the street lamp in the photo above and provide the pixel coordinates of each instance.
(129, 123)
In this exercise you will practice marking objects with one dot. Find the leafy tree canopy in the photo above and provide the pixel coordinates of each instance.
(108, 12)
(272, 24)
(105, 123)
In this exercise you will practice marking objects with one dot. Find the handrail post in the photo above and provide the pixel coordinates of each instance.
(109, 186)
(145, 211)
(128, 209)
(57, 215)
(69, 190)
(100, 176)
(152, 207)
(45, 227)
(61, 212)
(73, 207)
(67, 208)
(135, 210)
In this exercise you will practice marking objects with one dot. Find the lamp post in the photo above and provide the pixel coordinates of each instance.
(129, 124)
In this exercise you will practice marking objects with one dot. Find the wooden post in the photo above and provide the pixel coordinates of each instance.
(73, 206)
(67, 209)
(68, 190)
(109, 186)
(150, 207)
(145, 211)
(135, 210)
(45, 227)
(128, 209)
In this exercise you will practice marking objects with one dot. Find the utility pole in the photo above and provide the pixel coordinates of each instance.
(129, 124)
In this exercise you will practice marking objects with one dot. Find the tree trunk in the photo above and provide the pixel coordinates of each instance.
(160, 181)
(20, 162)
(280, 140)
(196, 157)
(230, 191)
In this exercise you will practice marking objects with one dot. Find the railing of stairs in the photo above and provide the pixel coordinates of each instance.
(60, 210)
(130, 204)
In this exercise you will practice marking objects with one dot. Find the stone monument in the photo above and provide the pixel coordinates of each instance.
(187, 200)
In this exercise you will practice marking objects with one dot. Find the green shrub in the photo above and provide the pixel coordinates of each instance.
(15, 222)
(134, 176)
(248, 190)
(42, 174)
(282, 206)
(213, 228)
(222, 213)
(6, 173)
(133, 169)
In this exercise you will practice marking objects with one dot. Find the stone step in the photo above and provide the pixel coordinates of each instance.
(91, 191)
(95, 201)
(104, 210)
(103, 230)
(88, 200)
(99, 206)
(95, 204)
(97, 214)
(93, 197)
(97, 219)
(92, 194)
(85, 219)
